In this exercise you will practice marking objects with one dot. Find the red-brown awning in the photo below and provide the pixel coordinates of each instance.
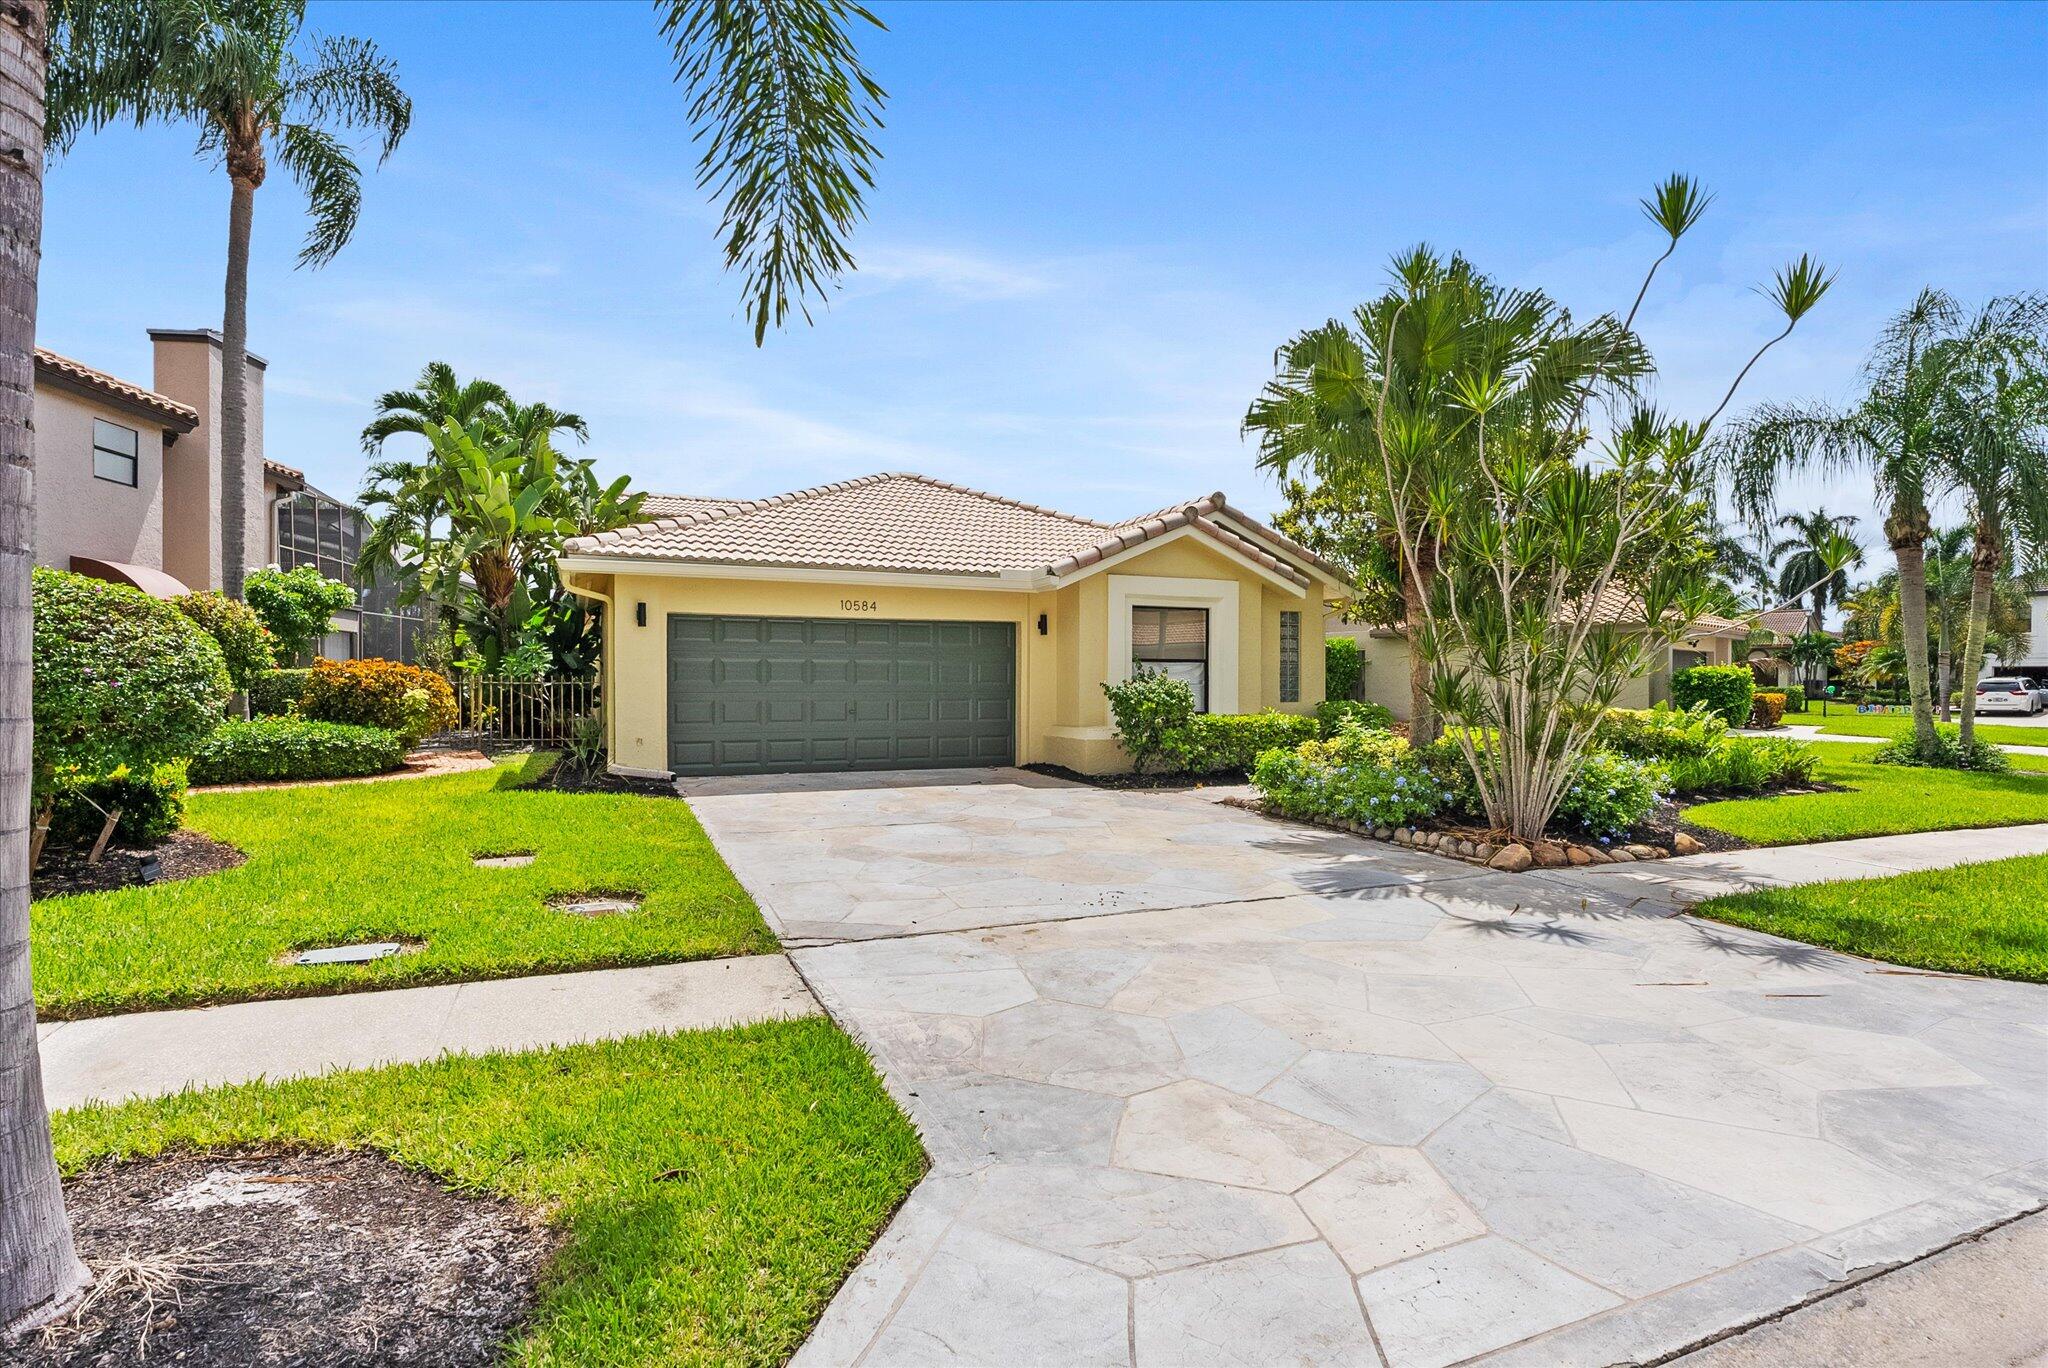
(155, 583)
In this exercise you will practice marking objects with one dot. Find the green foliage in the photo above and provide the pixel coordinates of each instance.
(296, 605)
(1219, 742)
(1660, 733)
(404, 699)
(1341, 668)
(586, 741)
(151, 802)
(294, 748)
(245, 643)
(1152, 714)
(277, 692)
(1728, 691)
(1883, 800)
(1744, 764)
(1335, 714)
(1610, 794)
(1948, 753)
(1360, 776)
(529, 658)
(120, 678)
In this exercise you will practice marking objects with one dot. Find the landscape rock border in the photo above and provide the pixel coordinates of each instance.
(1506, 857)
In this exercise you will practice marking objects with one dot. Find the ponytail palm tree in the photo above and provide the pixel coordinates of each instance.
(1888, 435)
(237, 69)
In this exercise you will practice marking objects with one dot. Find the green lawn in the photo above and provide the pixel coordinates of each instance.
(1974, 919)
(713, 1188)
(1884, 800)
(391, 861)
(1897, 724)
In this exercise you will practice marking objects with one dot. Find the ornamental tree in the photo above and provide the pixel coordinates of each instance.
(296, 605)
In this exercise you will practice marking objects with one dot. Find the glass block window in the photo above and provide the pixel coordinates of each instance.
(1290, 657)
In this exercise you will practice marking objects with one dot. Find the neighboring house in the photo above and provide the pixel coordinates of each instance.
(897, 621)
(1383, 659)
(2035, 661)
(1782, 625)
(128, 484)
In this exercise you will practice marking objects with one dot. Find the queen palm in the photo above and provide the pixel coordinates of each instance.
(240, 71)
(1888, 434)
(783, 104)
(1806, 563)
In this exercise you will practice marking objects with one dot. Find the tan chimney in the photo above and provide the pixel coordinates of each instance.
(188, 370)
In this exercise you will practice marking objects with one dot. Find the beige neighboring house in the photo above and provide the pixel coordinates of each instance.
(1767, 657)
(1383, 660)
(128, 484)
(897, 621)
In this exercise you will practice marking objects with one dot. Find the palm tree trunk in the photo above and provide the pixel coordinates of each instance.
(234, 386)
(1906, 529)
(1984, 561)
(1943, 660)
(40, 1275)
(1423, 724)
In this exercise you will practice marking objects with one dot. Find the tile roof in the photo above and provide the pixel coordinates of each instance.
(279, 468)
(1786, 621)
(905, 522)
(180, 416)
(1615, 605)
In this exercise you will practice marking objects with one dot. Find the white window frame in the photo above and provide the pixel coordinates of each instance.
(1162, 591)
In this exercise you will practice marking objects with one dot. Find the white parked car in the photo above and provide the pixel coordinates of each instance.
(2011, 694)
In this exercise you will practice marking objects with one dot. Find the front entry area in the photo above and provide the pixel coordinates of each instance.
(764, 695)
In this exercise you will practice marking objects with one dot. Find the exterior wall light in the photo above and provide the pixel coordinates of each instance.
(640, 615)
(1041, 624)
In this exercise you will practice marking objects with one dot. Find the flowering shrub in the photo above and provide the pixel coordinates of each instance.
(379, 693)
(1368, 777)
(1152, 714)
(120, 679)
(1728, 690)
(1610, 794)
(245, 643)
(293, 748)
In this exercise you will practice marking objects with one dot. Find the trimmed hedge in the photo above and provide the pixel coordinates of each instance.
(1767, 710)
(379, 693)
(295, 748)
(275, 693)
(1341, 668)
(1234, 741)
(151, 802)
(1727, 690)
(245, 643)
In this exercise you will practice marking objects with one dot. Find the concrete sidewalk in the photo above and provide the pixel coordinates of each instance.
(1802, 731)
(145, 1054)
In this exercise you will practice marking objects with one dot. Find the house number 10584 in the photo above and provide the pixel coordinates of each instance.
(858, 605)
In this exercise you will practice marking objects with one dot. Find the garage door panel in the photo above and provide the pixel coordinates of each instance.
(768, 694)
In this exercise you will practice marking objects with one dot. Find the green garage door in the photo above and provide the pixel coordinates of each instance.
(762, 695)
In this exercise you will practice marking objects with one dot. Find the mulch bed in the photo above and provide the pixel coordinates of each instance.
(566, 778)
(316, 1260)
(1140, 781)
(183, 855)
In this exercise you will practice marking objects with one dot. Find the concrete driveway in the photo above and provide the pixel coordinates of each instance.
(1204, 1088)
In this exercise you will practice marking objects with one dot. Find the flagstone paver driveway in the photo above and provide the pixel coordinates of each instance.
(1204, 1088)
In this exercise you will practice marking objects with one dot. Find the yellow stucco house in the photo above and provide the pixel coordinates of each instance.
(897, 621)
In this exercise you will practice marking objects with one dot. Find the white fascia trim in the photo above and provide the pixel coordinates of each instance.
(1280, 582)
(1010, 582)
(1219, 596)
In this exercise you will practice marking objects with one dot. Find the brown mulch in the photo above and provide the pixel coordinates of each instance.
(1155, 780)
(183, 855)
(316, 1260)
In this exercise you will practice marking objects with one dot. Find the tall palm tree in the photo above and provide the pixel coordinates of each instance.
(1995, 420)
(40, 1275)
(1888, 434)
(782, 103)
(230, 66)
(1805, 565)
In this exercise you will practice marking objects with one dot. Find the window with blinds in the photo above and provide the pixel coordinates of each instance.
(1174, 642)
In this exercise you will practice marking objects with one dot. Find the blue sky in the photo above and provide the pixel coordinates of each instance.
(1093, 223)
